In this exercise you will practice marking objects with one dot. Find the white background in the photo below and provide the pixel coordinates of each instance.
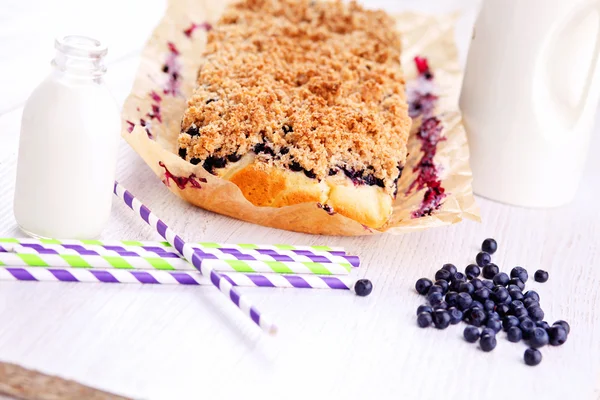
(187, 342)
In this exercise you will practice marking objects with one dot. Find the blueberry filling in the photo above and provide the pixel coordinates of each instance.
(310, 174)
(214, 162)
(234, 157)
(195, 161)
(193, 131)
(332, 172)
(183, 152)
(294, 166)
(284, 151)
(287, 129)
(263, 148)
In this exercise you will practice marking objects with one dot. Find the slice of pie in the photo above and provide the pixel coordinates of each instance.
(302, 101)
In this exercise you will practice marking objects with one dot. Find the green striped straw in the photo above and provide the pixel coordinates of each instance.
(110, 259)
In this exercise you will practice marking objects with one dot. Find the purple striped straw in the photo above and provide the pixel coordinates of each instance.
(37, 274)
(188, 252)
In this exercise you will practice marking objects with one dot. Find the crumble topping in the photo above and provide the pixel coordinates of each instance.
(306, 85)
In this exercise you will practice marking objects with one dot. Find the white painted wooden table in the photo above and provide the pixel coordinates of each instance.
(150, 342)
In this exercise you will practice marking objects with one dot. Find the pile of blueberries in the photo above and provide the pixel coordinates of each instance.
(496, 302)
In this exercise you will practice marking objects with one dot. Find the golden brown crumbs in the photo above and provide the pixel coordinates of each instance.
(318, 83)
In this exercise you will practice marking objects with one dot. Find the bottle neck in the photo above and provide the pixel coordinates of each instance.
(79, 57)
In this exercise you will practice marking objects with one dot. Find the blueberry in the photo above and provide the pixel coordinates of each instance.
(540, 276)
(532, 357)
(459, 277)
(435, 289)
(476, 304)
(476, 316)
(195, 161)
(455, 315)
(564, 324)
(514, 334)
(513, 287)
(501, 279)
(489, 246)
(472, 271)
(471, 334)
(441, 319)
(515, 304)
(532, 294)
(490, 270)
(499, 295)
(527, 326)
(487, 343)
(310, 174)
(424, 319)
(443, 275)
(515, 294)
(182, 152)
(519, 273)
(489, 306)
(502, 310)
(451, 298)
(463, 301)
(363, 287)
(483, 259)
(424, 308)
(287, 129)
(436, 298)
(520, 312)
(450, 268)
(517, 282)
(509, 321)
(441, 306)
(488, 284)
(493, 315)
(466, 287)
(536, 313)
(477, 284)
(482, 294)
(494, 324)
(557, 334)
(422, 286)
(529, 302)
(542, 324)
(443, 284)
(539, 338)
(488, 332)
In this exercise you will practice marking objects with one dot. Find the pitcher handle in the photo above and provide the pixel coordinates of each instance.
(555, 112)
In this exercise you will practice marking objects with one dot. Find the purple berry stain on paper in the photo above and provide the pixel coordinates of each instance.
(181, 181)
(422, 103)
(327, 208)
(205, 26)
(172, 68)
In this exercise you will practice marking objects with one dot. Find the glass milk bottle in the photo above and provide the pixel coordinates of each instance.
(68, 147)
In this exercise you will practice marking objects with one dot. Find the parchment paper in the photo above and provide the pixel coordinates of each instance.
(166, 77)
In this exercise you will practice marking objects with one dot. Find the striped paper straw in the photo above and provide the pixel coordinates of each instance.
(167, 247)
(171, 278)
(258, 256)
(68, 258)
(191, 256)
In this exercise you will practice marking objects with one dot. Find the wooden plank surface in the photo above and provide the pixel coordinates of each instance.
(145, 341)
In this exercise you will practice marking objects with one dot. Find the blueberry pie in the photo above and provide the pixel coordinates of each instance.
(302, 101)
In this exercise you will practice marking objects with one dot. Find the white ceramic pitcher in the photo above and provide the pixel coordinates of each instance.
(529, 97)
